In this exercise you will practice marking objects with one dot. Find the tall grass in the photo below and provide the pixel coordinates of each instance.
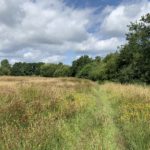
(132, 106)
(44, 114)
(69, 114)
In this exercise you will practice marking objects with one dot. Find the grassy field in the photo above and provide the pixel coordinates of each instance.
(72, 114)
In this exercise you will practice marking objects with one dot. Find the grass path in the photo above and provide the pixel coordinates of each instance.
(111, 137)
(96, 129)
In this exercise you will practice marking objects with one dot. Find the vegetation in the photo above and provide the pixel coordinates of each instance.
(5, 68)
(131, 105)
(129, 65)
(67, 113)
(40, 113)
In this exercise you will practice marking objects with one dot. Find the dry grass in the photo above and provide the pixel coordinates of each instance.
(129, 91)
(68, 114)
(33, 110)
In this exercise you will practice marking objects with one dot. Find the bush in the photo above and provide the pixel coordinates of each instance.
(62, 71)
(47, 70)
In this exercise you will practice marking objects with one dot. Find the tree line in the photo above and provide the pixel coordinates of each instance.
(131, 63)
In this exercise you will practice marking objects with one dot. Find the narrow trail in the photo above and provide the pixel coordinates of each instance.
(111, 137)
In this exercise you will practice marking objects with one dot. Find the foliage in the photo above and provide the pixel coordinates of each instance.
(111, 66)
(5, 68)
(62, 71)
(26, 69)
(78, 64)
(98, 72)
(85, 71)
(47, 70)
(136, 54)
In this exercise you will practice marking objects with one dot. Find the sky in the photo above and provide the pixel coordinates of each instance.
(54, 31)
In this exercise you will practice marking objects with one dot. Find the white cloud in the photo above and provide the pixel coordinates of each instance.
(40, 24)
(11, 12)
(99, 45)
(53, 59)
(28, 55)
(116, 21)
(43, 30)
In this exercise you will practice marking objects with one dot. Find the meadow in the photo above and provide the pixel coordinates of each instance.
(73, 114)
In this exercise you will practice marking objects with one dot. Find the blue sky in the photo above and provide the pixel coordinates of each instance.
(91, 3)
(55, 31)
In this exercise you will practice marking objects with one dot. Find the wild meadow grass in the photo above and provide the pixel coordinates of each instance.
(70, 114)
(132, 113)
(45, 114)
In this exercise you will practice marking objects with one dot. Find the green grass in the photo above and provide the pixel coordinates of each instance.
(131, 106)
(71, 114)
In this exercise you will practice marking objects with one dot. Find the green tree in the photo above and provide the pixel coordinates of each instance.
(5, 68)
(98, 72)
(85, 71)
(18, 69)
(62, 71)
(98, 59)
(111, 66)
(126, 74)
(26, 69)
(136, 53)
(78, 64)
(37, 68)
(48, 70)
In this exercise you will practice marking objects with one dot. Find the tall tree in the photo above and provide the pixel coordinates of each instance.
(5, 68)
(78, 64)
(135, 55)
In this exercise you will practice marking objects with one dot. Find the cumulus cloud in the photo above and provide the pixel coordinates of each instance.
(116, 21)
(95, 45)
(43, 30)
(11, 12)
(53, 59)
(40, 24)
(54, 24)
